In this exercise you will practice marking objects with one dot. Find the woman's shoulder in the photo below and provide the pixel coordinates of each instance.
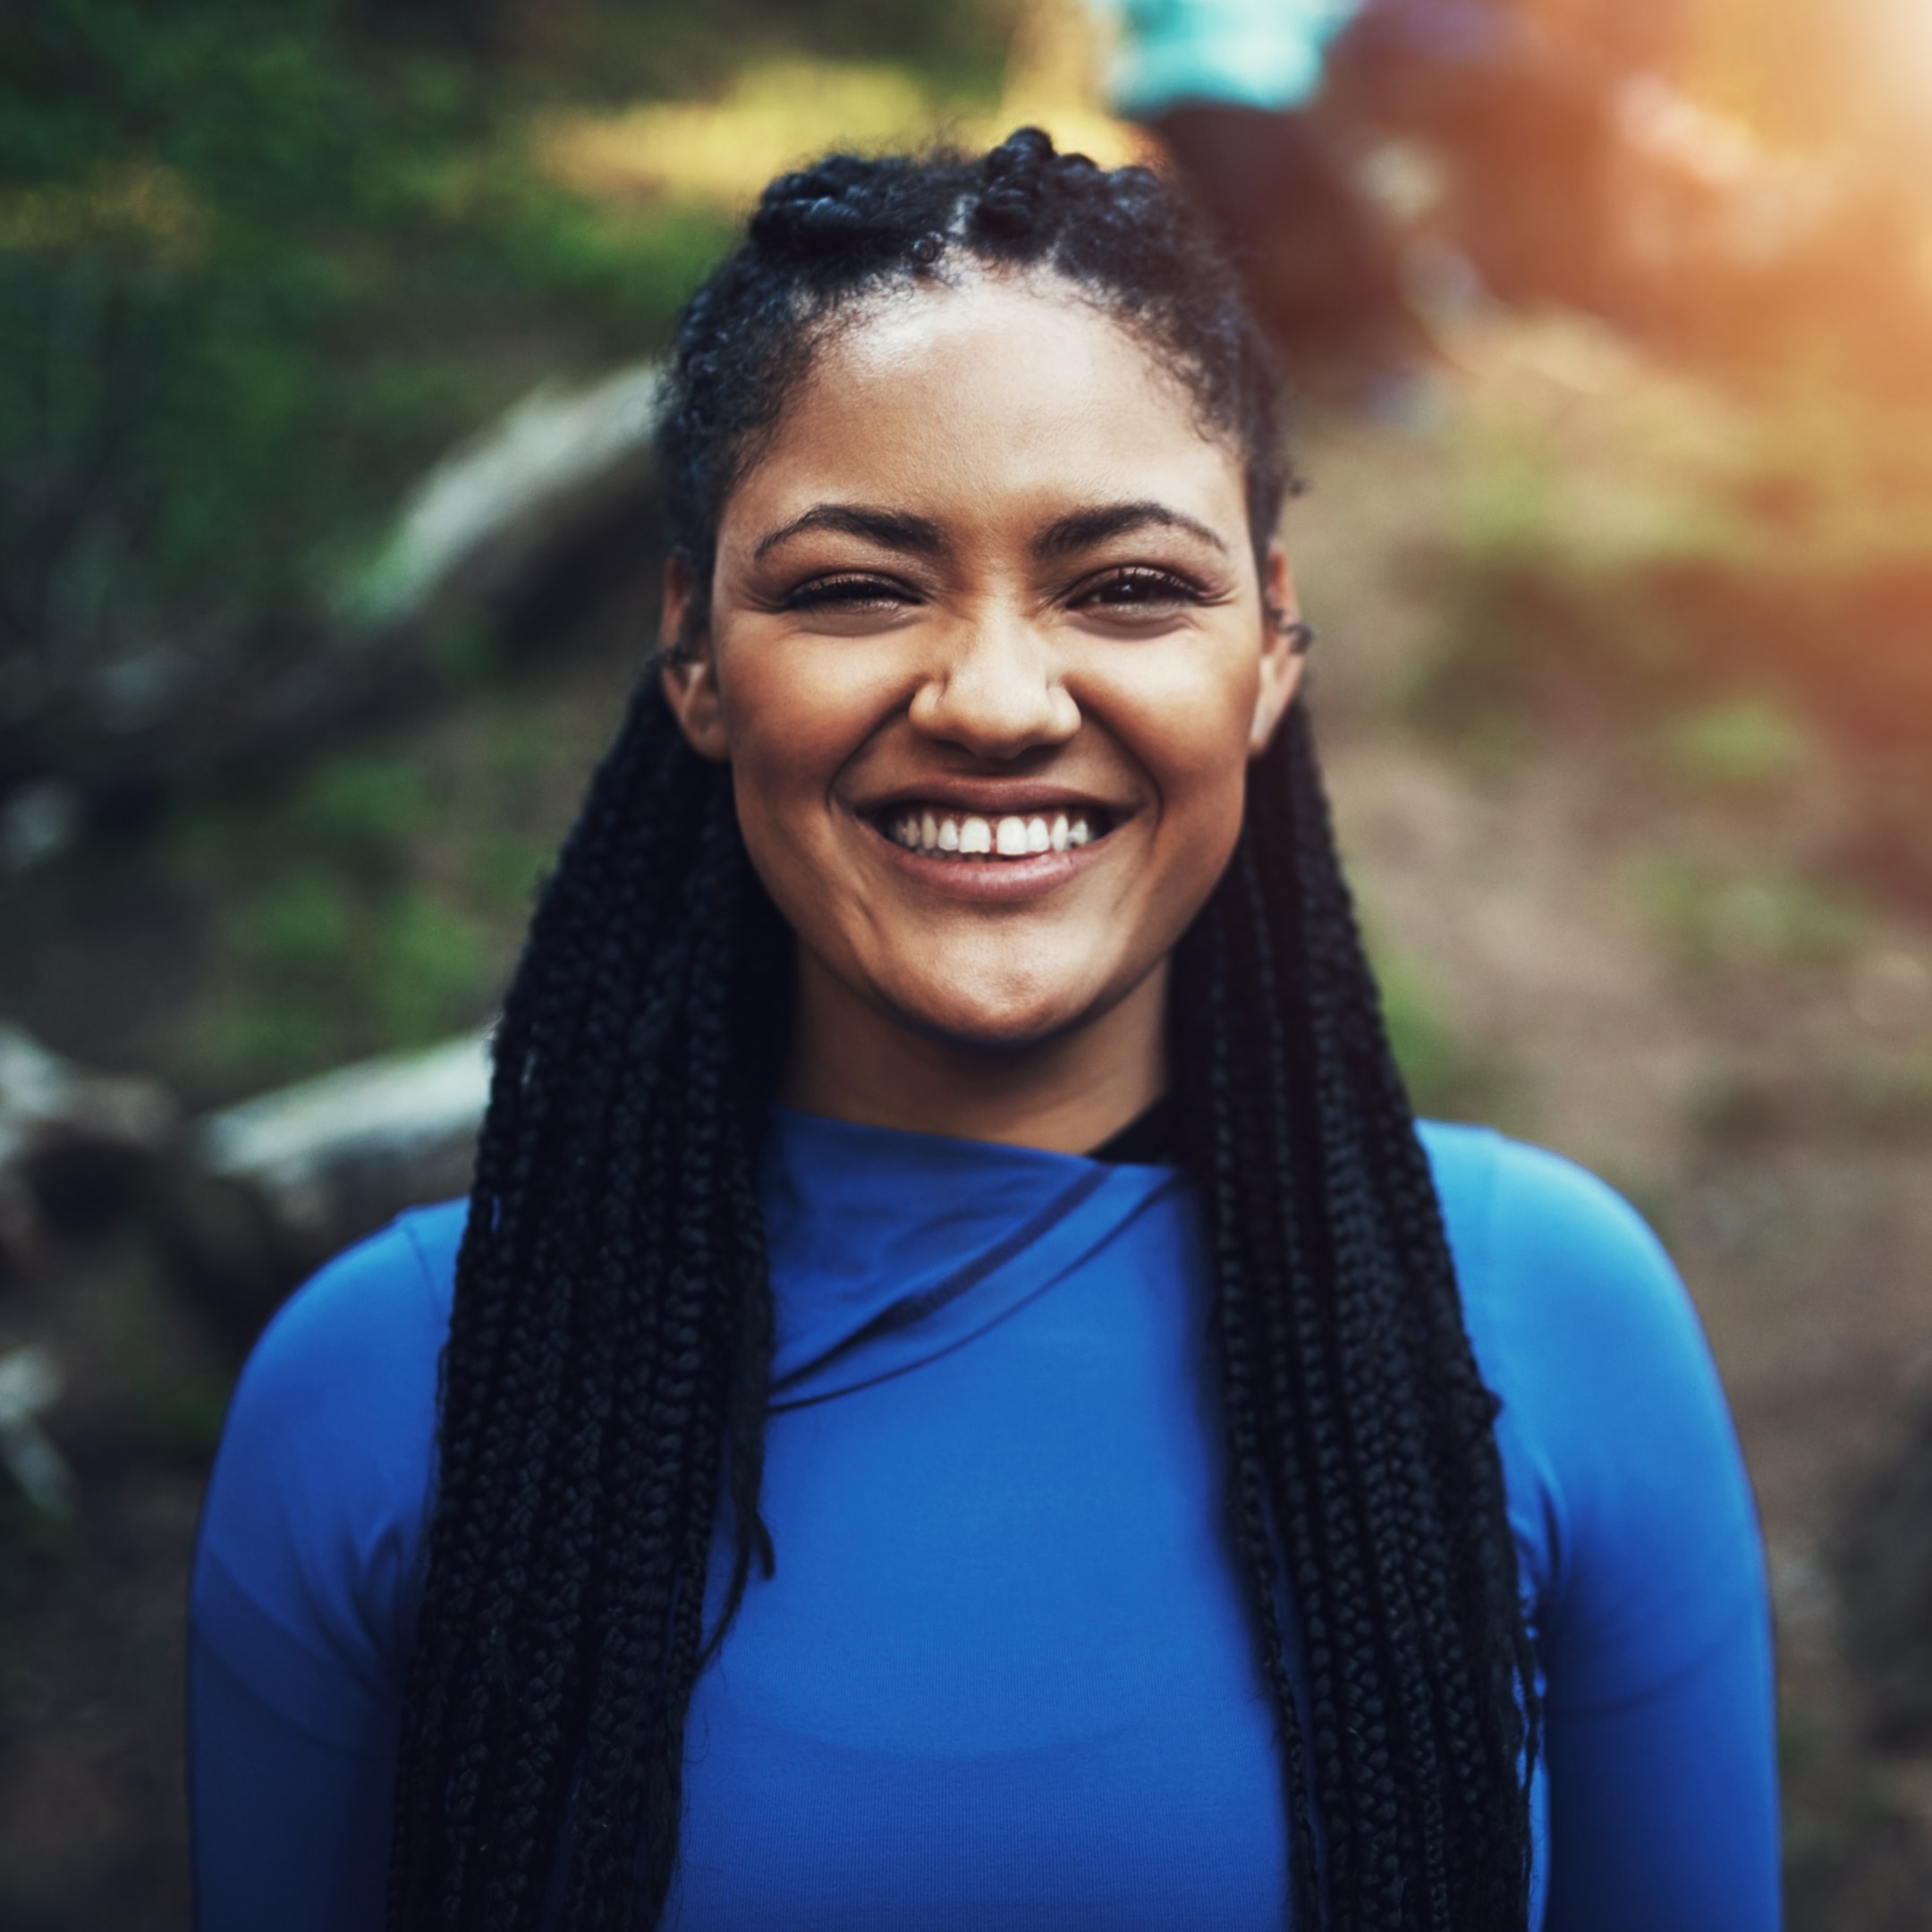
(320, 1493)
(352, 1352)
(1574, 1308)
(1543, 1247)
(397, 1279)
(349, 1362)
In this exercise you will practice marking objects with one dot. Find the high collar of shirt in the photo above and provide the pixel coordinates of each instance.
(889, 1247)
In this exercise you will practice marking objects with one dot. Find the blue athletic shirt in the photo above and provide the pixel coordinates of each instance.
(1004, 1676)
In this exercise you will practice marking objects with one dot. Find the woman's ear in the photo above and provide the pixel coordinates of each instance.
(690, 675)
(1284, 649)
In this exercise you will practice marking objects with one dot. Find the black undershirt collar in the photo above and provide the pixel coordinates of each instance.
(1151, 1139)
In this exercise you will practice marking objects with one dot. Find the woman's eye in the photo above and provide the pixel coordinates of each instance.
(848, 594)
(1135, 592)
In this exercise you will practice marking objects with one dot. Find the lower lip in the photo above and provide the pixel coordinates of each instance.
(991, 881)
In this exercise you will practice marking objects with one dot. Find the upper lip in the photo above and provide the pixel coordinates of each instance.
(992, 798)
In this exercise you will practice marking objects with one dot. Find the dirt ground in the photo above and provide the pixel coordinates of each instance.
(1725, 1100)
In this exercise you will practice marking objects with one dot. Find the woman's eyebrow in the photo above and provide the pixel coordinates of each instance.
(894, 528)
(1086, 528)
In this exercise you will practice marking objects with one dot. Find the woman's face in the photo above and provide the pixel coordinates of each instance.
(988, 656)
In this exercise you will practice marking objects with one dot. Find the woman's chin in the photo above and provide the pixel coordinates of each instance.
(1002, 1035)
(1000, 1019)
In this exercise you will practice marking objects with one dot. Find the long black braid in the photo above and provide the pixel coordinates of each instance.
(604, 1387)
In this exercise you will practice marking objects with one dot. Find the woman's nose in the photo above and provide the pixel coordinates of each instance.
(996, 692)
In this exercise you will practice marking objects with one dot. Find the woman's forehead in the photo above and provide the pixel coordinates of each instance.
(979, 321)
(997, 388)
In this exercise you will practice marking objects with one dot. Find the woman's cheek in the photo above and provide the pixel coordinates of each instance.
(787, 741)
(1189, 731)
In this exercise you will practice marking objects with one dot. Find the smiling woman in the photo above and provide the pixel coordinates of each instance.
(960, 1396)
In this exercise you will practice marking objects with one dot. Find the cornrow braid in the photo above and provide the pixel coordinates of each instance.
(604, 1387)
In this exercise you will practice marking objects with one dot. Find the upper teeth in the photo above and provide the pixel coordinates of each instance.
(927, 828)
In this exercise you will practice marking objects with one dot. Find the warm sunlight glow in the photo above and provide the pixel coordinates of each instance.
(1907, 26)
(1896, 57)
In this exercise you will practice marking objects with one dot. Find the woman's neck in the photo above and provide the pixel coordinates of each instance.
(1069, 1094)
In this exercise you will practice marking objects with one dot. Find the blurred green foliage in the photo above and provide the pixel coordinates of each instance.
(184, 1417)
(1740, 586)
(368, 903)
(262, 260)
(1742, 747)
(1713, 922)
(1447, 1077)
(256, 268)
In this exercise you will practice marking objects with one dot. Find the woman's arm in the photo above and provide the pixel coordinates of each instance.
(291, 1830)
(303, 1593)
(1663, 1808)
(1654, 1627)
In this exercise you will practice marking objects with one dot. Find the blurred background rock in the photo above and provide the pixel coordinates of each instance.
(328, 551)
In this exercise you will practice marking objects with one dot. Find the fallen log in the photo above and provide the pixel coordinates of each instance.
(333, 1159)
(64, 1131)
(503, 527)
(499, 510)
(30, 1381)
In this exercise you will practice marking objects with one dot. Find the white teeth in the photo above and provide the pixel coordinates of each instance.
(930, 829)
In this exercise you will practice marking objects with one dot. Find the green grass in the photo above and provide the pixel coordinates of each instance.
(370, 904)
(1447, 1078)
(1713, 922)
(1743, 747)
(184, 1419)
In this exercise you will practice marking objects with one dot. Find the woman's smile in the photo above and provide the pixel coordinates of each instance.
(993, 858)
(1001, 823)
(1011, 845)
(996, 841)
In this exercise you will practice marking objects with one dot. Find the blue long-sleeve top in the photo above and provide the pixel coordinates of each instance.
(1002, 1676)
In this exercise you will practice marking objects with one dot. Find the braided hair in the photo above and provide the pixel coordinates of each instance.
(604, 1387)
